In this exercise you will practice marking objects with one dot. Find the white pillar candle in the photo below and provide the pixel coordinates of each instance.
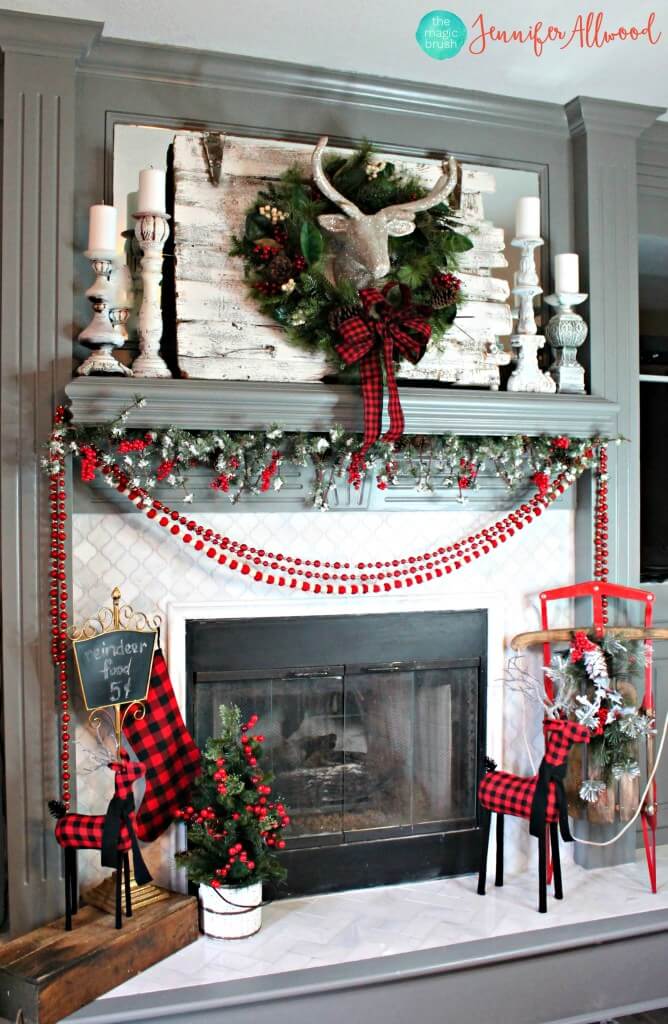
(527, 217)
(151, 190)
(102, 228)
(566, 272)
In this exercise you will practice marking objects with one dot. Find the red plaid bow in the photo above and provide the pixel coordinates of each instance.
(383, 332)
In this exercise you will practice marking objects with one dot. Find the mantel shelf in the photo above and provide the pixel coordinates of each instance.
(252, 405)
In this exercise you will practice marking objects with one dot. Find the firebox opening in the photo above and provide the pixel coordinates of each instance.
(374, 729)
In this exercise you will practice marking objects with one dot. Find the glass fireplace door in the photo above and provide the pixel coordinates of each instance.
(360, 749)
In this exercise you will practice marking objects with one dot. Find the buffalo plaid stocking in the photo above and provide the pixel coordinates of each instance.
(162, 743)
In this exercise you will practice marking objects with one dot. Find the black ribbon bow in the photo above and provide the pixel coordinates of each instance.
(119, 813)
(548, 773)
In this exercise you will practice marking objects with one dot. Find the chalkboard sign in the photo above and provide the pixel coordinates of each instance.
(115, 667)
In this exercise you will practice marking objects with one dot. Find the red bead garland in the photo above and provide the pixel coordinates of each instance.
(364, 577)
(58, 595)
(601, 526)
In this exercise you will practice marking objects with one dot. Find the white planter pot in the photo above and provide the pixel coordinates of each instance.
(230, 913)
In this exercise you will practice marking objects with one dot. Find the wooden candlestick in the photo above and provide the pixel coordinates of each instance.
(151, 232)
(527, 375)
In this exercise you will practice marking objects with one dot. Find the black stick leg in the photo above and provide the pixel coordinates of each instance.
(74, 881)
(485, 822)
(128, 894)
(542, 873)
(68, 890)
(119, 905)
(556, 861)
(499, 850)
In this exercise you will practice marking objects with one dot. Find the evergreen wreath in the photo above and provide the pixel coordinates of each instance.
(285, 252)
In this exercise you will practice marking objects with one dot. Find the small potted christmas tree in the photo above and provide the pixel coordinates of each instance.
(234, 827)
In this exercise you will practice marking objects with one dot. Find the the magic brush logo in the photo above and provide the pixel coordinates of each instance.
(442, 34)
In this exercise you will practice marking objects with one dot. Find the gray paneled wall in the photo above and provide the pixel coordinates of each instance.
(35, 360)
(605, 138)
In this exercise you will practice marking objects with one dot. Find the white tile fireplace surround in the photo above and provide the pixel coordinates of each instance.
(158, 574)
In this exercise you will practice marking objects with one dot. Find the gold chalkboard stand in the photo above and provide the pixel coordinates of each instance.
(108, 621)
(112, 620)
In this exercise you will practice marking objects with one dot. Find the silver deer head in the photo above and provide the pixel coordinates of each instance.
(362, 254)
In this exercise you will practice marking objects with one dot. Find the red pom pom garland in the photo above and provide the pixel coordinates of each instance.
(342, 577)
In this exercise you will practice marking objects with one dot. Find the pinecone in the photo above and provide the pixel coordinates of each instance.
(444, 290)
(280, 269)
(339, 315)
(441, 298)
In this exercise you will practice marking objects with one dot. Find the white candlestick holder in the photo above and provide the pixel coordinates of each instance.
(526, 343)
(106, 330)
(566, 331)
(151, 232)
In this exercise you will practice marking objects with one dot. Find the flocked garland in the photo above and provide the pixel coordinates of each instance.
(285, 252)
(252, 462)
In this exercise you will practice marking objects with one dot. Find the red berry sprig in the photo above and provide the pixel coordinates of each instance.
(138, 444)
(165, 468)
(263, 252)
(270, 471)
(89, 462)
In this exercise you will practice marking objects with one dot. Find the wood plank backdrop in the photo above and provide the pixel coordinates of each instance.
(220, 332)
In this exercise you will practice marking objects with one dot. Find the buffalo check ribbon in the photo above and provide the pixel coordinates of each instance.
(121, 812)
(555, 774)
(383, 333)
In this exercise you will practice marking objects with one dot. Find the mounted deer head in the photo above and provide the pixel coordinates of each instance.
(362, 251)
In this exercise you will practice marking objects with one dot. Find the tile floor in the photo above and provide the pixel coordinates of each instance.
(355, 925)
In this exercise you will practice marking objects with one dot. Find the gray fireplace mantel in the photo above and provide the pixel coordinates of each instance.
(252, 405)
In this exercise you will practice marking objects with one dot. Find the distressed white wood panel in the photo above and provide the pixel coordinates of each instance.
(491, 289)
(493, 315)
(220, 333)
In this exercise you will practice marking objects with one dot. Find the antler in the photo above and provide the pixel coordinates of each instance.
(441, 190)
(325, 185)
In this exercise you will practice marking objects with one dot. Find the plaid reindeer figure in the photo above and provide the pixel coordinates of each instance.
(540, 798)
(112, 833)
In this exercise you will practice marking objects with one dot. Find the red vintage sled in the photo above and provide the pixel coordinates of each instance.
(600, 594)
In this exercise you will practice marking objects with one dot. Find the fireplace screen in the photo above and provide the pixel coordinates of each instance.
(362, 747)
(362, 751)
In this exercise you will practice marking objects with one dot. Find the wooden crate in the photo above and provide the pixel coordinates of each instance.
(49, 973)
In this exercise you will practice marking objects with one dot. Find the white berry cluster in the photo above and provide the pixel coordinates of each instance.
(289, 286)
(273, 213)
(374, 168)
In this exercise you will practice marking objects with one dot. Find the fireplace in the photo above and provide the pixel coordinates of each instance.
(374, 729)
